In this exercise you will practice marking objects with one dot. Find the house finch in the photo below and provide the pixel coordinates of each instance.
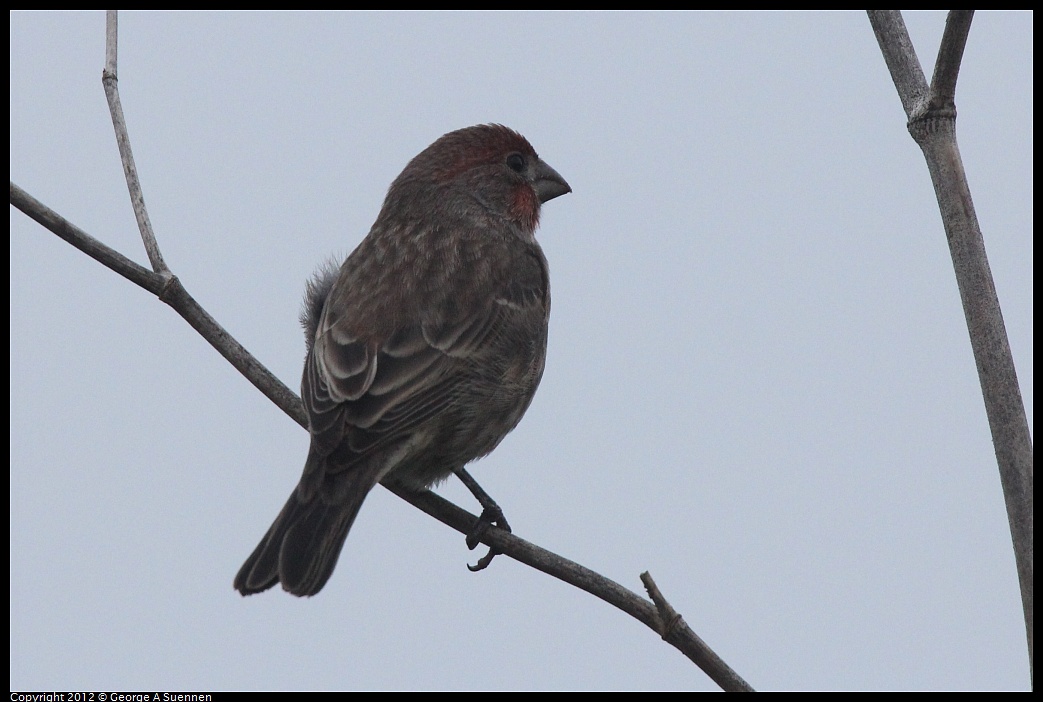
(424, 349)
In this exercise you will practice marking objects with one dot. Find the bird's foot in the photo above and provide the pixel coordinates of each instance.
(491, 516)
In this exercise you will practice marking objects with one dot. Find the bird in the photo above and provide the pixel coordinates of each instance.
(424, 348)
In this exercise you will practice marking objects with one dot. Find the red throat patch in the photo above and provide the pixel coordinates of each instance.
(525, 207)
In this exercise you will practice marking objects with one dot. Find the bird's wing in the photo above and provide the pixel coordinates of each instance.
(361, 393)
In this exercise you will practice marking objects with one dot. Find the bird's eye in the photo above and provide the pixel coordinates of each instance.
(516, 163)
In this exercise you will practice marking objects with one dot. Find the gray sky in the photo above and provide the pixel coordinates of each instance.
(759, 384)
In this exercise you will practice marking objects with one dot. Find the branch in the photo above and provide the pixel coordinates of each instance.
(169, 289)
(950, 56)
(900, 57)
(162, 283)
(932, 124)
(672, 629)
(130, 171)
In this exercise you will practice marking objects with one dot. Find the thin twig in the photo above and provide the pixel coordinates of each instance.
(119, 124)
(950, 56)
(900, 57)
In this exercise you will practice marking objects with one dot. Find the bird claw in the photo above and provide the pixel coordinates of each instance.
(491, 516)
(484, 561)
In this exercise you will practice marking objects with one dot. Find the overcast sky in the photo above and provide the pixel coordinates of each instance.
(759, 383)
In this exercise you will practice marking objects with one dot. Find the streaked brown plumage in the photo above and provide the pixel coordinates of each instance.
(424, 349)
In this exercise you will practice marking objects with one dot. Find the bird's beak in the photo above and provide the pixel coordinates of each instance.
(547, 183)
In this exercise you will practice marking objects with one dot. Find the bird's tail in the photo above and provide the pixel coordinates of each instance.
(301, 547)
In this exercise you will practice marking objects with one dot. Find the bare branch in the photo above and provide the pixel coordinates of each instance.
(111, 42)
(950, 56)
(900, 57)
(169, 289)
(130, 171)
(932, 124)
(153, 282)
(672, 629)
(676, 632)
